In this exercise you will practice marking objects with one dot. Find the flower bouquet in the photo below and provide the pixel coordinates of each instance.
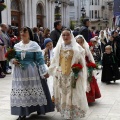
(90, 44)
(76, 69)
(91, 66)
(10, 55)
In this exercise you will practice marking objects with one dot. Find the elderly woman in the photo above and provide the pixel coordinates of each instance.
(29, 92)
(2, 59)
(70, 101)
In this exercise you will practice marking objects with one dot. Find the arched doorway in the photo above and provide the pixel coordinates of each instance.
(15, 13)
(40, 15)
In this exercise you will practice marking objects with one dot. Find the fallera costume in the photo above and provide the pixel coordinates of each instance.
(29, 92)
(70, 102)
(93, 91)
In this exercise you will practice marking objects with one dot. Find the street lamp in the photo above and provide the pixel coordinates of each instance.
(83, 11)
(57, 10)
(57, 2)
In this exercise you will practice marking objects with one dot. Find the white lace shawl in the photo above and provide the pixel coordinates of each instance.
(30, 47)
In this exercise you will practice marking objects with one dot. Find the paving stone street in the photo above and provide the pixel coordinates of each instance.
(105, 108)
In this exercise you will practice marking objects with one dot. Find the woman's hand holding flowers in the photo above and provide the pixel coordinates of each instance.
(15, 62)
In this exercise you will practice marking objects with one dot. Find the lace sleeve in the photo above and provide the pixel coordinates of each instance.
(39, 59)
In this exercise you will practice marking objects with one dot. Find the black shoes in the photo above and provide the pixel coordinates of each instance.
(21, 118)
(108, 83)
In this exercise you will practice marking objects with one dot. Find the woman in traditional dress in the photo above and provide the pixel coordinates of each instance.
(70, 102)
(95, 50)
(29, 92)
(93, 91)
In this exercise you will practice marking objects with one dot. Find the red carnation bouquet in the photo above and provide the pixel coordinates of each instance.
(76, 68)
(90, 44)
(10, 54)
(91, 66)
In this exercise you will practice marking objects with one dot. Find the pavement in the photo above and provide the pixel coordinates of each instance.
(105, 108)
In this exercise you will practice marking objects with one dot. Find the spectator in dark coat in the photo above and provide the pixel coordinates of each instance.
(117, 45)
(85, 30)
(36, 36)
(55, 34)
(76, 31)
(111, 43)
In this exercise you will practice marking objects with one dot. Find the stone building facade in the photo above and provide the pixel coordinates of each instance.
(100, 12)
(34, 13)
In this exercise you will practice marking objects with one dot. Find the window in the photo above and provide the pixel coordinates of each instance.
(15, 5)
(92, 2)
(98, 2)
(96, 14)
(39, 9)
(92, 14)
(95, 2)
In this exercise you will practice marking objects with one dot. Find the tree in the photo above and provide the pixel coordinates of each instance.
(72, 25)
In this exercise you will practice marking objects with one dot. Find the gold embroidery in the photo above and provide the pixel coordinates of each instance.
(65, 61)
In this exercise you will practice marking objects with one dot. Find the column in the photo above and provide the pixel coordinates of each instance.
(50, 18)
(47, 15)
(34, 13)
(53, 15)
(29, 13)
(67, 18)
(62, 17)
(63, 14)
(26, 12)
(6, 14)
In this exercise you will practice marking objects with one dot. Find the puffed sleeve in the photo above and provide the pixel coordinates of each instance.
(41, 63)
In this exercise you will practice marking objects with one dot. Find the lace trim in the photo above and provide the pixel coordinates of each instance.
(42, 69)
(26, 79)
(67, 47)
(27, 97)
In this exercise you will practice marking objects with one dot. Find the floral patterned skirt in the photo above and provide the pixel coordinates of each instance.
(71, 103)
